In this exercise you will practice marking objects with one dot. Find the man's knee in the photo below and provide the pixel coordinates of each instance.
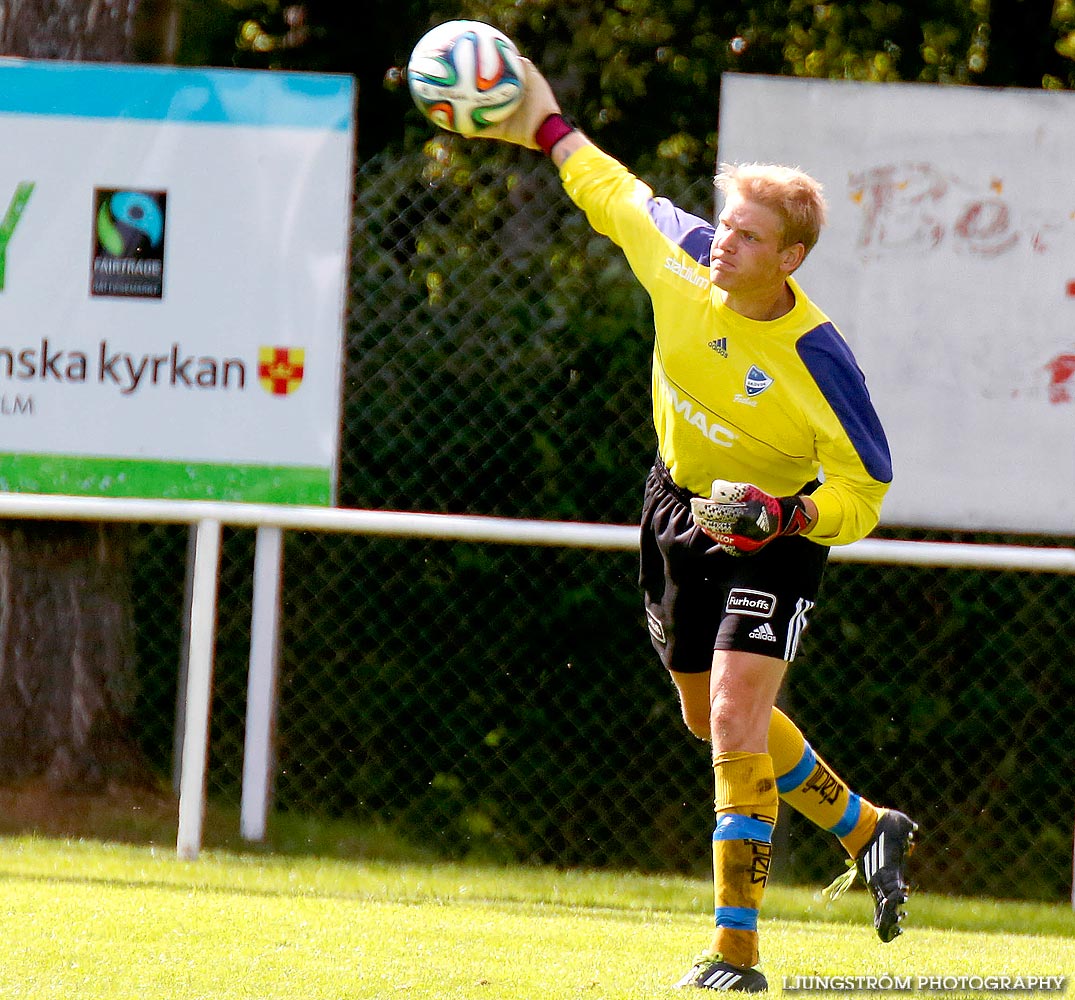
(744, 690)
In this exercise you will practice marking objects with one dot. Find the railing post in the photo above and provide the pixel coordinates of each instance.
(184, 659)
(199, 689)
(261, 684)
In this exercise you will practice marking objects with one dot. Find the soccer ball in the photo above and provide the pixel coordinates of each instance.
(465, 76)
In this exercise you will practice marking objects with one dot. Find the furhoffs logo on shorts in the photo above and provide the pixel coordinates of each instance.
(750, 602)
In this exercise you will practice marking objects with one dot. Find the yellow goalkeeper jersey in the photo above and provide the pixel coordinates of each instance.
(776, 403)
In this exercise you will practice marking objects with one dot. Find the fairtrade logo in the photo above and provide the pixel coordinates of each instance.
(128, 221)
(128, 243)
(280, 369)
(757, 381)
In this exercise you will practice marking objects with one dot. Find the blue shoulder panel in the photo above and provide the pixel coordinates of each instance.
(833, 367)
(690, 233)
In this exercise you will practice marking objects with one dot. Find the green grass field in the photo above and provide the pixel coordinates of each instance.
(83, 920)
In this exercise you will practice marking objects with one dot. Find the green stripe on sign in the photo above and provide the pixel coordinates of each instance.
(119, 477)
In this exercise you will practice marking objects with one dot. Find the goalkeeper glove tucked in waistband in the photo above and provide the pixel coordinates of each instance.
(742, 519)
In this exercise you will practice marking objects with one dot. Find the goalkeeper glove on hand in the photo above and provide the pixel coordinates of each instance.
(742, 519)
(537, 104)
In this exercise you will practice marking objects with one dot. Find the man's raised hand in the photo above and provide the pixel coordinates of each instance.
(537, 104)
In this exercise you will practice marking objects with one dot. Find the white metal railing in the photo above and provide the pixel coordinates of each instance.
(208, 518)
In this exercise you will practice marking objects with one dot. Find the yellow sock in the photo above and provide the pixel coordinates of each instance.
(746, 802)
(807, 784)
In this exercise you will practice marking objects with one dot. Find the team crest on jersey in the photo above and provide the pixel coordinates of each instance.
(757, 381)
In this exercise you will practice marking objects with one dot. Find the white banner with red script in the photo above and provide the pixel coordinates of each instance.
(949, 266)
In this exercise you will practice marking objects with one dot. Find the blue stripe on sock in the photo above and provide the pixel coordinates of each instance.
(799, 773)
(738, 918)
(733, 826)
(849, 818)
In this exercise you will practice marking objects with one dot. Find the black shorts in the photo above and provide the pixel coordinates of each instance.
(699, 599)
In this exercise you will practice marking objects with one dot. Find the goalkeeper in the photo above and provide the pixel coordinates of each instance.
(754, 394)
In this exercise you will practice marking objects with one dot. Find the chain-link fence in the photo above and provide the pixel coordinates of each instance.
(503, 701)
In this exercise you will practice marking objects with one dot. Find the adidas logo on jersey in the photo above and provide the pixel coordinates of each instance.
(720, 345)
(764, 631)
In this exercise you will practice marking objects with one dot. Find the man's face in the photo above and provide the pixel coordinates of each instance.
(747, 256)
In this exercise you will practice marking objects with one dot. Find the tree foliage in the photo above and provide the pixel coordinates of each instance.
(643, 76)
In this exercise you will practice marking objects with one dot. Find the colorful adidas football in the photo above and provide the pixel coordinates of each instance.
(465, 76)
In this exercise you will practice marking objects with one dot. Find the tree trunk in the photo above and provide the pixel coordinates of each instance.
(81, 30)
(66, 654)
(67, 665)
